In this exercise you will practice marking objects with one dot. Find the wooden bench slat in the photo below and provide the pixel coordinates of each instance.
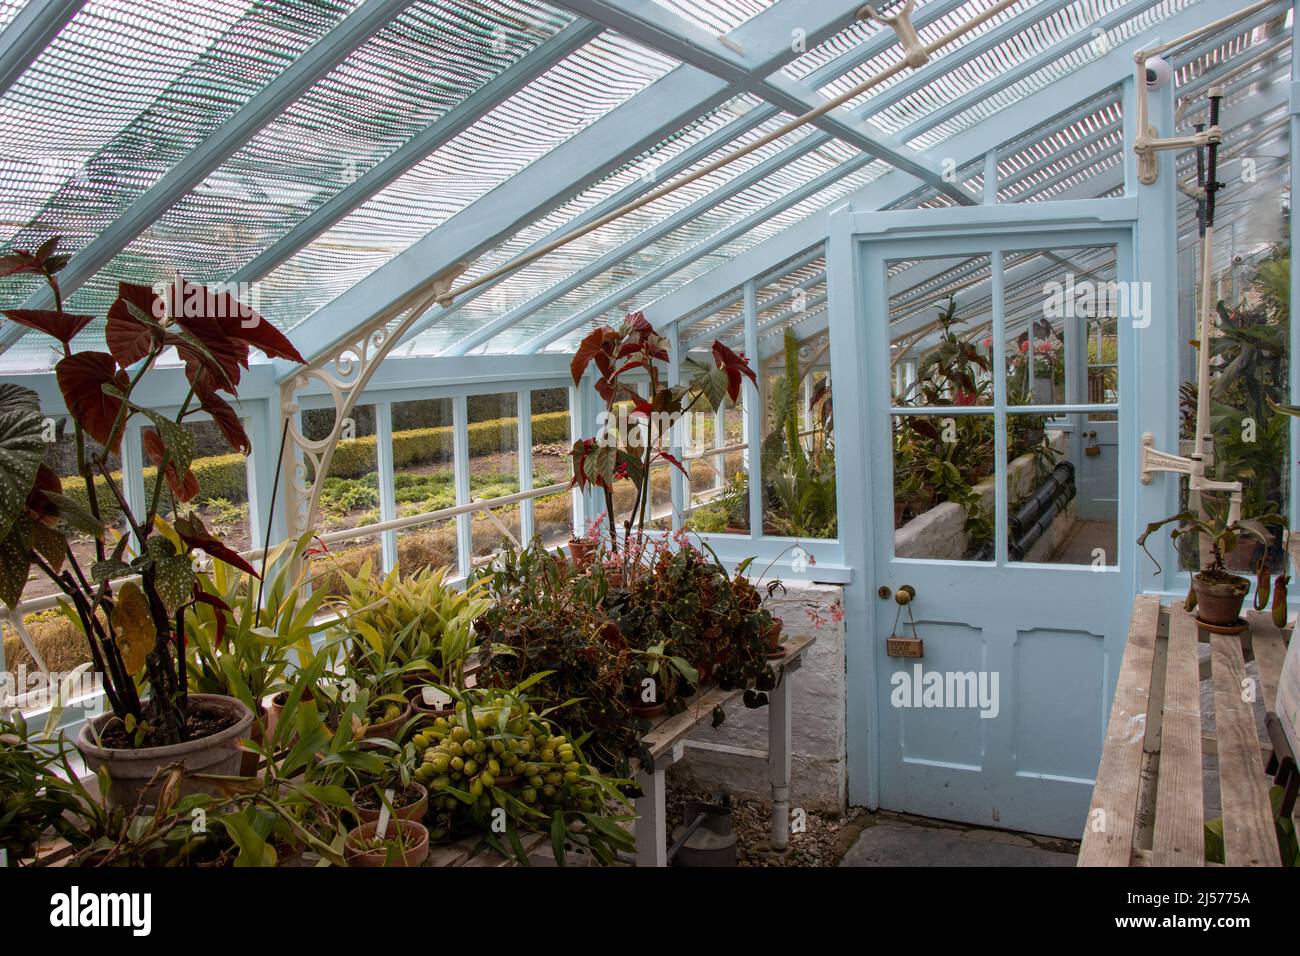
(1270, 650)
(1108, 837)
(1248, 834)
(1180, 808)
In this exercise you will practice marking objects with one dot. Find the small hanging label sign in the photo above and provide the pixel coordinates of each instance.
(435, 698)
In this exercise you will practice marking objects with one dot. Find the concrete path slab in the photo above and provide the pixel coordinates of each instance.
(895, 842)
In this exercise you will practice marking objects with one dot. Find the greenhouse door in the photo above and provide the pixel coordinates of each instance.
(996, 446)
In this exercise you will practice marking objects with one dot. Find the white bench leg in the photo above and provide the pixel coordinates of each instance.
(778, 761)
(652, 820)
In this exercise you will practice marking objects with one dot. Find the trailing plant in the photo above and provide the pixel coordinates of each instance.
(715, 621)
(546, 619)
(131, 602)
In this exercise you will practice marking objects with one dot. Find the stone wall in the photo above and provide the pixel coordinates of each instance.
(940, 533)
(819, 776)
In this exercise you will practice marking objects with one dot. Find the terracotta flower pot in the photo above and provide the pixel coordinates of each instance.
(388, 729)
(1219, 599)
(773, 635)
(276, 709)
(130, 770)
(415, 856)
(580, 552)
(410, 811)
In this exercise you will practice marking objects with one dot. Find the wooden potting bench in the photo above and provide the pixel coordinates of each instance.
(667, 741)
(1147, 806)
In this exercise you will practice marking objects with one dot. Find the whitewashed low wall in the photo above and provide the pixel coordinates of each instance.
(940, 533)
(819, 776)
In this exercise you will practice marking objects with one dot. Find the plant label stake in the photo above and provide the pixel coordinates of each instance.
(435, 698)
(381, 826)
(898, 645)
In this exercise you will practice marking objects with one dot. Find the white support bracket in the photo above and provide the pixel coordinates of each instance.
(914, 50)
(1153, 460)
(1149, 142)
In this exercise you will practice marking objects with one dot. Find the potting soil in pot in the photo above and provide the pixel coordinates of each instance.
(197, 726)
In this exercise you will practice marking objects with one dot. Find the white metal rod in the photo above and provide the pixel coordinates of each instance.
(1217, 25)
(1200, 451)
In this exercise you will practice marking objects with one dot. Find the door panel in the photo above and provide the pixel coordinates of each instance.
(978, 414)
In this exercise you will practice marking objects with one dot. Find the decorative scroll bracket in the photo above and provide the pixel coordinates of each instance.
(345, 373)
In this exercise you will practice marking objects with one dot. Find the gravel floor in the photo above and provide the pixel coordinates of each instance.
(822, 844)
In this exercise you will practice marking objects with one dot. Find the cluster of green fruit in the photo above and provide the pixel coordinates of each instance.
(500, 754)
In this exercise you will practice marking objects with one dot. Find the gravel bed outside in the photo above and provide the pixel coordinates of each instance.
(823, 843)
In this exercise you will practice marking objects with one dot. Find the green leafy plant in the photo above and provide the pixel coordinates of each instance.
(1214, 526)
(246, 653)
(130, 603)
(245, 822)
(420, 623)
(40, 793)
(621, 356)
(800, 481)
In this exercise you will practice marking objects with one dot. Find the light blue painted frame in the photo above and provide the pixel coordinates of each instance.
(950, 232)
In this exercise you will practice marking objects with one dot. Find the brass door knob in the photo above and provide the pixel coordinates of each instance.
(905, 595)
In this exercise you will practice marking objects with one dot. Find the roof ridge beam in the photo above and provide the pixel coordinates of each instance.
(660, 28)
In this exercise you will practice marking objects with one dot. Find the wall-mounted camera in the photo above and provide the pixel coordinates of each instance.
(1159, 73)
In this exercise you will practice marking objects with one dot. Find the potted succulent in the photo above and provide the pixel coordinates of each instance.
(1216, 593)
(132, 600)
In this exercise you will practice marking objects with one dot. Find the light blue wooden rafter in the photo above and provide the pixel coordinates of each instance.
(29, 33)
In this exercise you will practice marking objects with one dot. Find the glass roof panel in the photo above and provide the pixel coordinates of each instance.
(124, 92)
(404, 78)
(573, 94)
(127, 90)
(716, 16)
